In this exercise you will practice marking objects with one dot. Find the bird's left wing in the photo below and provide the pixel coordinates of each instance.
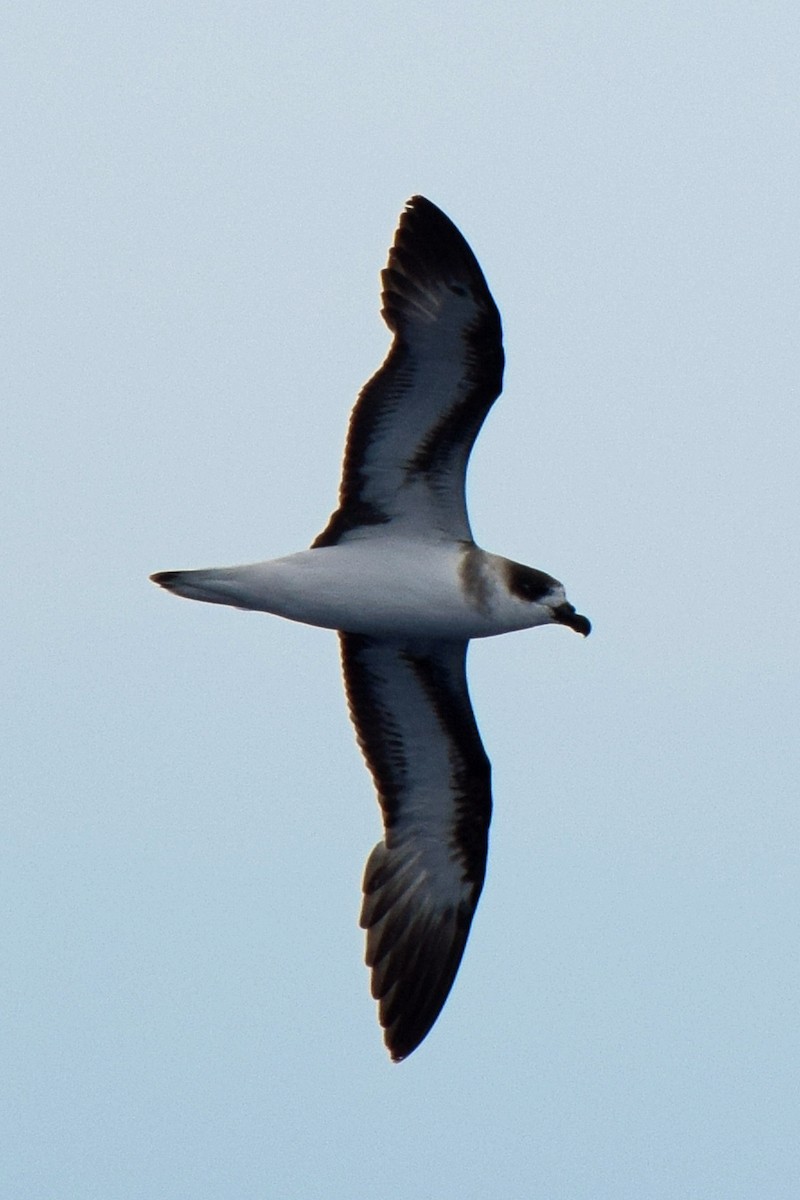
(410, 706)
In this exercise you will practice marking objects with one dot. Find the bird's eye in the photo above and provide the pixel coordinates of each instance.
(530, 584)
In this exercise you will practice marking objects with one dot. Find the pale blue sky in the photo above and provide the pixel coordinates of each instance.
(198, 200)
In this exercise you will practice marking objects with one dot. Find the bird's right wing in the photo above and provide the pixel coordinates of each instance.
(413, 427)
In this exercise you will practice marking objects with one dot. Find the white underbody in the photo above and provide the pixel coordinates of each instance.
(379, 586)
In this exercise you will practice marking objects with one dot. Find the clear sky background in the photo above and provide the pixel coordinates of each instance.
(198, 198)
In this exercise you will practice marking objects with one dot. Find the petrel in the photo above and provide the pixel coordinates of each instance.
(397, 573)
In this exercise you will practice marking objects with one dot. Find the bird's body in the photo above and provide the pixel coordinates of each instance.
(397, 573)
(389, 588)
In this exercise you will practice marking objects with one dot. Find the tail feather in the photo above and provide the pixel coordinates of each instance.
(211, 586)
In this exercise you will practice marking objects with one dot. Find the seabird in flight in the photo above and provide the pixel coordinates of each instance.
(396, 572)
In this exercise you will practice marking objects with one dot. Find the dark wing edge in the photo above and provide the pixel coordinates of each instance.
(429, 254)
(422, 882)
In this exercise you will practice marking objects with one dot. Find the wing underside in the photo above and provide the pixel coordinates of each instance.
(414, 723)
(413, 427)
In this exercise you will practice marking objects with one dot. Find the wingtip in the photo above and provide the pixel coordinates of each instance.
(413, 954)
(425, 211)
(419, 201)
